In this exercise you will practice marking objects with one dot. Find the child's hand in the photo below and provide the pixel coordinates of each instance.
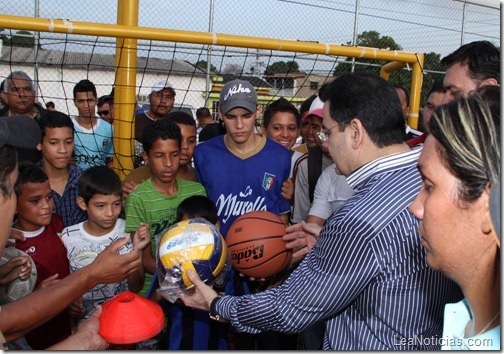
(49, 281)
(17, 267)
(15, 235)
(76, 309)
(142, 237)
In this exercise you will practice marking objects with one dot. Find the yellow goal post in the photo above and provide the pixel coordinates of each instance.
(127, 33)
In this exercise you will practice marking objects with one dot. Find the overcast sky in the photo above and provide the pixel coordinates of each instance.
(417, 25)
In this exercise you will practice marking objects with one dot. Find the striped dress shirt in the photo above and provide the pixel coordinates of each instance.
(367, 275)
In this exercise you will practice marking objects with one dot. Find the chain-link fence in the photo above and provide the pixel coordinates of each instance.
(58, 61)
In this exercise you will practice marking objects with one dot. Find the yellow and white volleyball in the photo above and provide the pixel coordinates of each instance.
(17, 288)
(191, 244)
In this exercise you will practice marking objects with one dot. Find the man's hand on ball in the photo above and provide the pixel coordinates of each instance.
(201, 296)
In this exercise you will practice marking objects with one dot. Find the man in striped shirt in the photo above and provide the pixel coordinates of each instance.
(367, 274)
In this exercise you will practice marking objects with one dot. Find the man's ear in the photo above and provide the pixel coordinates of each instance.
(81, 203)
(356, 132)
(489, 81)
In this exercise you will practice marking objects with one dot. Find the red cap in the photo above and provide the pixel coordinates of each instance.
(130, 318)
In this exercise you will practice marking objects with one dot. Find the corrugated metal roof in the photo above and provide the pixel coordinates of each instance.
(94, 61)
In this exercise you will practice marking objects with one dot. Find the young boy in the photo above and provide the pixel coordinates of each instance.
(93, 135)
(187, 328)
(155, 201)
(41, 229)
(281, 123)
(57, 146)
(186, 171)
(100, 194)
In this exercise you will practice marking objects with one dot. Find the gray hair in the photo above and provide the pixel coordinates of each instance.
(469, 138)
(17, 75)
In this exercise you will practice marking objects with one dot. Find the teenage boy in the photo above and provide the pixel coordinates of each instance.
(185, 171)
(100, 195)
(242, 171)
(156, 199)
(41, 229)
(57, 145)
(93, 135)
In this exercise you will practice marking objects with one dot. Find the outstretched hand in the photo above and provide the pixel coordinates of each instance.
(201, 296)
(300, 238)
(111, 267)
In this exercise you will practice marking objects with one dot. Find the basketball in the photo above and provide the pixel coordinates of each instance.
(190, 244)
(256, 246)
(17, 288)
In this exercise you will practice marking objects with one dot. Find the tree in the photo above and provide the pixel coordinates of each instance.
(202, 64)
(19, 39)
(371, 39)
(233, 69)
(281, 67)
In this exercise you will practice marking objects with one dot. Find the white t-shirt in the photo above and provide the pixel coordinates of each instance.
(331, 191)
(83, 248)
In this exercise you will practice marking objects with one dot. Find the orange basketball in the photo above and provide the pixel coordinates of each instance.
(256, 246)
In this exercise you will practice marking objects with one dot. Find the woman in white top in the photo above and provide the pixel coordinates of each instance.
(459, 164)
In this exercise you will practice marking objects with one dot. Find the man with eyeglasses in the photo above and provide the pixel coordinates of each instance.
(366, 276)
(161, 101)
(19, 96)
(106, 108)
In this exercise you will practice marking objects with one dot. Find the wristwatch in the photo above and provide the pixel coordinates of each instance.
(213, 311)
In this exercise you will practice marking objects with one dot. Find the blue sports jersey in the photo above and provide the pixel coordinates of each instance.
(240, 185)
(93, 146)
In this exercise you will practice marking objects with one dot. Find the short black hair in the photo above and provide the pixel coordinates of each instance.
(437, 86)
(180, 117)
(99, 180)
(481, 57)
(198, 206)
(280, 105)
(160, 129)
(50, 104)
(29, 173)
(84, 86)
(203, 112)
(372, 100)
(105, 99)
(54, 119)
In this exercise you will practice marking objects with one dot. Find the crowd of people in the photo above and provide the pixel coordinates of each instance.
(394, 232)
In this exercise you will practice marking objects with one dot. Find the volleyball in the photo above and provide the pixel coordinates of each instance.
(190, 244)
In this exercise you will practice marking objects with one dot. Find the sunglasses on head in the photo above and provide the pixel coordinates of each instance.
(103, 113)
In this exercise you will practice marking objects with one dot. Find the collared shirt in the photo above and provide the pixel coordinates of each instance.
(367, 275)
(456, 318)
(66, 205)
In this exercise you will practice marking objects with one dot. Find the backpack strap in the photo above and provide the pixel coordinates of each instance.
(314, 169)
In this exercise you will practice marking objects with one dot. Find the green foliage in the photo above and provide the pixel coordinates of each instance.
(19, 39)
(281, 67)
(373, 39)
(202, 64)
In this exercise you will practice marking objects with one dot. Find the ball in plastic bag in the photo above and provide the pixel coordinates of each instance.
(191, 244)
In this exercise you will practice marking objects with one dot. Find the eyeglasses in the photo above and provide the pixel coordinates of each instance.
(106, 113)
(159, 95)
(324, 136)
